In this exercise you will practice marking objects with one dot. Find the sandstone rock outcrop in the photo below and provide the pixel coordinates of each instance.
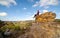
(45, 17)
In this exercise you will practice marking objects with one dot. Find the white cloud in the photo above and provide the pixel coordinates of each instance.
(36, 4)
(7, 2)
(24, 8)
(45, 11)
(45, 3)
(3, 14)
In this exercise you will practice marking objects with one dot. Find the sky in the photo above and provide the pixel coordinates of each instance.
(18, 10)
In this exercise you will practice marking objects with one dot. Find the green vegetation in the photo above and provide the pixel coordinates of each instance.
(16, 28)
(57, 20)
(1, 23)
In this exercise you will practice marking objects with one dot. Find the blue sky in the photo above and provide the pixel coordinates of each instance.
(16, 10)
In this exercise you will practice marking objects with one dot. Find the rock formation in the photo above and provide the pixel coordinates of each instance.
(45, 17)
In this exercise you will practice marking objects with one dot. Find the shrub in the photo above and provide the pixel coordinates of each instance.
(57, 20)
(1, 23)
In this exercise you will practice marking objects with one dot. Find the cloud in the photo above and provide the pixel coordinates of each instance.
(45, 11)
(24, 8)
(3, 14)
(7, 3)
(36, 4)
(46, 3)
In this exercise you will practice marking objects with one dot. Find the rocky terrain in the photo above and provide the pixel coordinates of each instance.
(43, 30)
(30, 30)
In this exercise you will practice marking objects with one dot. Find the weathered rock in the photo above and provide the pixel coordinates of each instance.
(43, 30)
(45, 17)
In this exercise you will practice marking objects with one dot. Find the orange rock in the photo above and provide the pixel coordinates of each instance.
(45, 17)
